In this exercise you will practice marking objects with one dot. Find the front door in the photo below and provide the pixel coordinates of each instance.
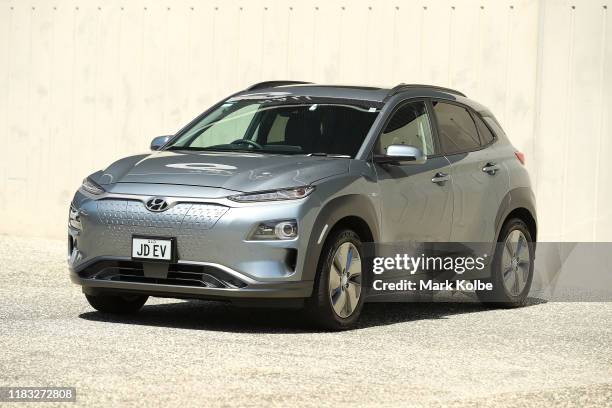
(416, 199)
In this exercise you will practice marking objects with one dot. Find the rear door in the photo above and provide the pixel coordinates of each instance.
(479, 180)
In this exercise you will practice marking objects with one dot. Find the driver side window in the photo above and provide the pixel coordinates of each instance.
(410, 126)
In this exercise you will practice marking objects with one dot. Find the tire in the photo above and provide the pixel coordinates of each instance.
(325, 307)
(511, 279)
(117, 304)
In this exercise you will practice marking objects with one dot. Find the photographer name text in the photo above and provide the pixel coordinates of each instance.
(409, 285)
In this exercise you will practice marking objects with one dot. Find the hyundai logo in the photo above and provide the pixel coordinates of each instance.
(157, 204)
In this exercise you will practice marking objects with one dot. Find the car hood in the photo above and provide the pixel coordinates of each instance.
(244, 172)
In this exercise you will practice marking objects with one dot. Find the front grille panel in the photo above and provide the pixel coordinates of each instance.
(187, 222)
(180, 216)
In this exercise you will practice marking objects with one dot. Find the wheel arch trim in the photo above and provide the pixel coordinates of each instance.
(334, 212)
(517, 200)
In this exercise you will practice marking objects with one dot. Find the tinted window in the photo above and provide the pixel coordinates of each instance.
(485, 133)
(457, 129)
(409, 125)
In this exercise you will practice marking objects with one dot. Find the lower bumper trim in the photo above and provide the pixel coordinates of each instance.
(301, 289)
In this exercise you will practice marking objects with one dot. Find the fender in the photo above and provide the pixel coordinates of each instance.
(345, 206)
(520, 197)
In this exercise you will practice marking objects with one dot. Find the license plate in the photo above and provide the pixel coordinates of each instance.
(152, 248)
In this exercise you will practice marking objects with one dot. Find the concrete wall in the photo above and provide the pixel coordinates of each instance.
(85, 82)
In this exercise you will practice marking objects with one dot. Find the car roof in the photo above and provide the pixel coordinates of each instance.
(346, 92)
(380, 95)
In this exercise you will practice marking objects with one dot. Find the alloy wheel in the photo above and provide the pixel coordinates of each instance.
(516, 262)
(345, 280)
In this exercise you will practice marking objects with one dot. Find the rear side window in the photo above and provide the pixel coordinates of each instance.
(485, 133)
(456, 127)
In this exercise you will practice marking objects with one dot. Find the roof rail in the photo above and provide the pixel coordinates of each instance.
(405, 87)
(272, 84)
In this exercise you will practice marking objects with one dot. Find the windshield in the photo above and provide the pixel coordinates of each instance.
(296, 125)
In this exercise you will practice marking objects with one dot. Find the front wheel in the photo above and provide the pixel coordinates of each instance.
(339, 290)
(117, 304)
(512, 268)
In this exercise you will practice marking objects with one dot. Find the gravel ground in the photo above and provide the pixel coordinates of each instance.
(195, 353)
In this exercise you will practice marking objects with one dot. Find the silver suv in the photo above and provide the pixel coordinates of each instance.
(269, 196)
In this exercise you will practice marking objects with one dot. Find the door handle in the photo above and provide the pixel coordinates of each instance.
(491, 168)
(440, 178)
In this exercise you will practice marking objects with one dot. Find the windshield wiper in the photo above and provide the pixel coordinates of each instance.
(209, 149)
(322, 154)
(184, 148)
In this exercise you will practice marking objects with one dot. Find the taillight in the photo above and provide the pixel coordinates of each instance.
(520, 156)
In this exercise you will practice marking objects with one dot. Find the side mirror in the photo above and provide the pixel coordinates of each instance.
(401, 154)
(159, 141)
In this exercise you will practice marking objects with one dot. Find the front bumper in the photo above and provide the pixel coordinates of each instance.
(211, 235)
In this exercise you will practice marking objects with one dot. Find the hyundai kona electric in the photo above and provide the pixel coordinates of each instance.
(272, 196)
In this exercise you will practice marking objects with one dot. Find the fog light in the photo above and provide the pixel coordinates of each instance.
(275, 230)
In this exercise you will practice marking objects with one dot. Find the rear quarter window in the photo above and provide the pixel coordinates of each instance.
(486, 136)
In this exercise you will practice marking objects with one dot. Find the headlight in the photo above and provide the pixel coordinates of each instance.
(275, 230)
(91, 187)
(277, 195)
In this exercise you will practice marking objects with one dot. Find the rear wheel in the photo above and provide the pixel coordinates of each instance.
(339, 291)
(512, 269)
(118, 304)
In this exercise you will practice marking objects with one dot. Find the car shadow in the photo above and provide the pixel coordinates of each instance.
(219, 316)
